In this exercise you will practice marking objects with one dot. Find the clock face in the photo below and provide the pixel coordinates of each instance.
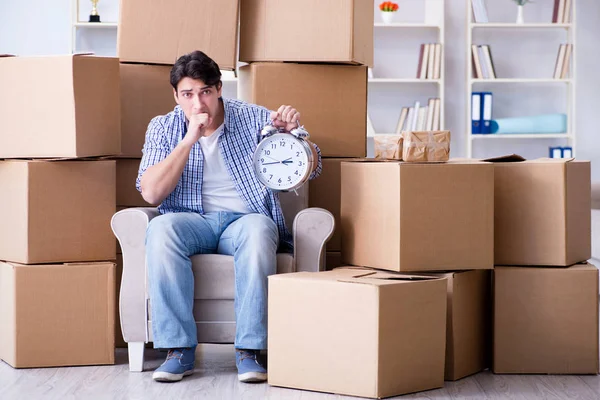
(281, 161)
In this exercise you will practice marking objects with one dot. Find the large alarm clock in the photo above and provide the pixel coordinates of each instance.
(283, 161)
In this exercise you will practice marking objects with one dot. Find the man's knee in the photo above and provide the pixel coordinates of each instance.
(258, 226)
(161, 228)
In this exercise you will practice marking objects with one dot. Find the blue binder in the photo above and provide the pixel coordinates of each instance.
(476, 109)
(486, 112)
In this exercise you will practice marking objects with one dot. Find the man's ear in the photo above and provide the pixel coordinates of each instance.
(175, 96)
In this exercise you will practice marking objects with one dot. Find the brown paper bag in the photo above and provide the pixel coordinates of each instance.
(426, 146)
(388, 147)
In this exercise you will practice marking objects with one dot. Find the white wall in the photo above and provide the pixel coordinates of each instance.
(41, 27)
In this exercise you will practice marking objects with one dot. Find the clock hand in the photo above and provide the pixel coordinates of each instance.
(274, 159)
(271, 163)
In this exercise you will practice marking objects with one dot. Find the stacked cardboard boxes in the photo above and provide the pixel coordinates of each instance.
(150, 40)
(57, 251)
(424, 219)
(545, 301)
(314, 56)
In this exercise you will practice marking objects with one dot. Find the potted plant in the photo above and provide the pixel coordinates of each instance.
(520, 4)
(388, 10)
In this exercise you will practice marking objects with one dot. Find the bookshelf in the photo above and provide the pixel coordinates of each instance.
(97, 37)
(495, 29)
(423, 23)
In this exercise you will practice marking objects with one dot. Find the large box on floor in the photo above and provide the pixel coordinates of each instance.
(318, 92)
(127, 194)
(57, 315)
(326, 31)
(418, 217)
(146, 92)
(325, 193)
(468, 328)
(542, 212)
(79, 115)
(357, 332)
(546, 320)
(57, 211)
(161, 31)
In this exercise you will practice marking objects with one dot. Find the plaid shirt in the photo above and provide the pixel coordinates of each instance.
(243, 123)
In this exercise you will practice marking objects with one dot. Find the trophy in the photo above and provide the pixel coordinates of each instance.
(94, 16)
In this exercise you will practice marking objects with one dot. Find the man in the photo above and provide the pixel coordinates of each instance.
(197, 164)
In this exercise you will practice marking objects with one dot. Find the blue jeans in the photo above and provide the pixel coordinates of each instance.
(252, 240)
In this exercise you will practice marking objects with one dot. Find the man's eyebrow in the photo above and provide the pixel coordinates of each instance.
(206, 87)
(186, 90)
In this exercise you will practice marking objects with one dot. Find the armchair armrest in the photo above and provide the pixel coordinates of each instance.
(313, 227)
(129, 226)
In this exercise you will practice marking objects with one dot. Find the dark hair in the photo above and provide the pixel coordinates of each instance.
(196, 65)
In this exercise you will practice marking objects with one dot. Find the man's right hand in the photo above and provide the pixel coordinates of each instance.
(197, 127)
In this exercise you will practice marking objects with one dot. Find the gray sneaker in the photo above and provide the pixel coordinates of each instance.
(249, 367)
(179, 363)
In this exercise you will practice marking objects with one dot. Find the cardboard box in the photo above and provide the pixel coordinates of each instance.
(333, 259)
(328, 31)
(57, 211)
(57, 315)
(146, 92)
(325, 192)
(79, 116)
(162, 31)
(356, 332)
(542, 212)
(119, 341)
(417, 217)
(127, 194)
(546, 320)
(468, 328)
(318, 92)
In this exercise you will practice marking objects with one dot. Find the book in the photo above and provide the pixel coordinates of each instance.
(413, 126)
(567, 13)
(564, 73)
(420, 64)
(425, 60)
(489, 61)
(437, 115)
(430, 111)
(484, 66)
(477, 71)
(561, 11)
(560, 60)
(437, 58)
(402, 120)
(431, 61)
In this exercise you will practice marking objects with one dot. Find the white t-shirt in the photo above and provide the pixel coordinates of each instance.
(218, 189)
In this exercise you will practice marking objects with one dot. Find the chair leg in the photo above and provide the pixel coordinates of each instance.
(136, 356)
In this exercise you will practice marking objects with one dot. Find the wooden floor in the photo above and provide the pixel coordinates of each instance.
(215, 378)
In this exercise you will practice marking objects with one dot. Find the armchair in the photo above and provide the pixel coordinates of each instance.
(213, 273)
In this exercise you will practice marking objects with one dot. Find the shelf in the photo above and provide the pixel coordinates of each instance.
(500, 136)
(403, 80)
(510, 25)
(95, 25)
(406, 25)
(520, 80)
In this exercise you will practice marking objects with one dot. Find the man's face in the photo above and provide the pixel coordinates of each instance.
(194, 96)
